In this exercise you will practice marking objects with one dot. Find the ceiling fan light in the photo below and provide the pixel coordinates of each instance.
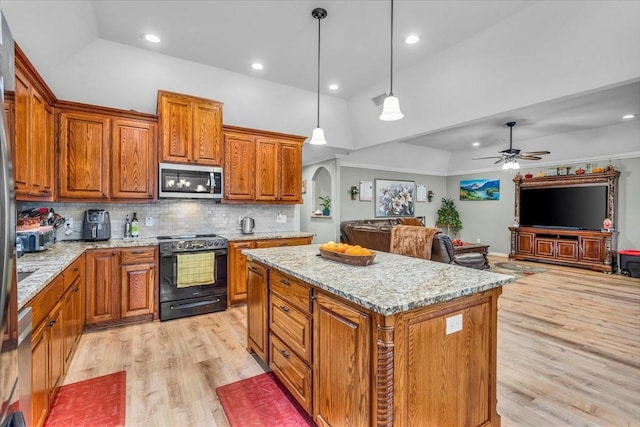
(391, 109)
(317, 137)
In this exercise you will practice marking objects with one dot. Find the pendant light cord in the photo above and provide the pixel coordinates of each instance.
(391, 91)
(318, 109)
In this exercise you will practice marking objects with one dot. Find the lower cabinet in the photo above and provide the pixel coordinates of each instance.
(257, 326)
(121, 284)
(58, 319)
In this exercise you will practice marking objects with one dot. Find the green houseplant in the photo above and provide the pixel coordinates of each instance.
(325, 203)
(449, 218)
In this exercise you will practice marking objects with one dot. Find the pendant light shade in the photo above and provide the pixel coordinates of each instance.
(317, 138)
(391, 108)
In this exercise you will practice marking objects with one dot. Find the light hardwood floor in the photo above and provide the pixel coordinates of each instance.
(568, 355)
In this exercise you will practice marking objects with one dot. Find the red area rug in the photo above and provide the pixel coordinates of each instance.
(261, 401)
(97, 402)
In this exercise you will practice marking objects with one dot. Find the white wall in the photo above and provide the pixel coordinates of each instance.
(325, 229)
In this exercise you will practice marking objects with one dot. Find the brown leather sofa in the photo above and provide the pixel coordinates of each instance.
(376, 234)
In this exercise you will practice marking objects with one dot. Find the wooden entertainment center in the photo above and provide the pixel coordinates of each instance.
(579, 248)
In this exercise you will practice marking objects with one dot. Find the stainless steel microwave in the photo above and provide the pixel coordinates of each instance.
(189, 181)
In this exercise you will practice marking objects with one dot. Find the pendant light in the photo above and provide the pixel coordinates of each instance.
(317, 138)
(391, 109)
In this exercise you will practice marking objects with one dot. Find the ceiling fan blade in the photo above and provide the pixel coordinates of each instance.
(491, 157)
(537, 153)
(527, 157)
(499, 161)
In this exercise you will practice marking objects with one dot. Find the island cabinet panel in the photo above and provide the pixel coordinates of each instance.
(84, 156)
(341, 364)
(134, 158)
(257, 309)
(292, 371)
(437, 367)
(191, 129)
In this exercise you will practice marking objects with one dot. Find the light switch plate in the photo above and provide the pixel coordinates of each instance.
(148, 221)
(454, 324)
(281, 218)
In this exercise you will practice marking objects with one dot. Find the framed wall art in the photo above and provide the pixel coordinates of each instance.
(480, 189)
(394, 198)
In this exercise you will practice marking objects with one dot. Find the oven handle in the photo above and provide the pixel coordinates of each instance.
(217, 252)
(193, 304)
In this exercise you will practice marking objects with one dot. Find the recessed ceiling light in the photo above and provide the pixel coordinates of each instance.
(475, 144)
(334, 86)
(151, 38)
(629, 116)
(412, 39)
(257, 66)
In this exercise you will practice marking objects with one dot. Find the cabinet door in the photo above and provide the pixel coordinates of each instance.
(257, 326)
(134, 160)
(545, 247)
(21, 168)
(102, 291)
(56, 350)
(137, 288)
(341, 363)
(525, 244)
(592, 249)
(39, 374)
(40, 147)
(84, 156)
(267, 173)
(207, 133)
(239, 171)
(237, 291)
(290, 171)
(567, 249)
(176, 126)
(68, 315)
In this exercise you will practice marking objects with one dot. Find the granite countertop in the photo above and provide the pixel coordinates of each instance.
(392, 284)
(46, 265)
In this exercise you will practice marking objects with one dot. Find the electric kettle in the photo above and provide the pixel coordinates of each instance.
(247, 224)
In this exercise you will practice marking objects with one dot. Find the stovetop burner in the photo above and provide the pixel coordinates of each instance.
(191, 242)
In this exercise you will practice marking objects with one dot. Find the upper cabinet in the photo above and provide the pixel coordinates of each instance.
(262, 166)
(191, 129)
(32, 138)
(106, 154)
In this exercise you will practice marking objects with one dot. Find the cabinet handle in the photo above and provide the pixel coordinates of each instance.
(284, 353)
(76, 289)
(51, 323)
(137, 252)
(104, 195)
(252, 268)
(285, 309)
(75, 270)
(285, 282)
(113, 253)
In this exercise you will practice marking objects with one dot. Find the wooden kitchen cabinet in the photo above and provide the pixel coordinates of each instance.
(137, 281)
(34, 143)
(257, 324)
(133, 155)
(73, 306)
(262, 166)
(39, 375)
(120, 284)
(191, 129)
(237, 268)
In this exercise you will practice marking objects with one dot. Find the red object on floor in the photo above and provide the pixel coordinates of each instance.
(96, 402)
(261, 401)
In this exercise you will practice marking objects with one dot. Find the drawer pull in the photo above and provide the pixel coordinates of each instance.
(53, 322)
(76, 289)
(252, 268)
(75, 270)
(285, 309)
(284, 354)
(137, 252)
(285, 282)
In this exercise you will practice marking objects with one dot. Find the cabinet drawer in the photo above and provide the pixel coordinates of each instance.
(73, 272)
(292, 326)
(42, 304)
(272, 243)
(138, 255)
(292, 290)
(292, 371)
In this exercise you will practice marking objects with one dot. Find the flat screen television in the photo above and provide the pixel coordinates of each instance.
(575, 207)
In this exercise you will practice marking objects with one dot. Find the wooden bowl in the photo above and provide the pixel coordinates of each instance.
(357, 260)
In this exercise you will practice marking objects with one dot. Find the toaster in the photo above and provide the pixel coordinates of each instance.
(96, 225)
(36, 239)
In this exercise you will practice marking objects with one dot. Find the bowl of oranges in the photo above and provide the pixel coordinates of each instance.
(347, 254)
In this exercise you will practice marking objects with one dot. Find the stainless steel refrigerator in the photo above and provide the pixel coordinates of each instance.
(10, 414)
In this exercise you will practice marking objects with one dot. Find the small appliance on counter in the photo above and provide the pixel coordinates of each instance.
(36, 239)
(96, 225)
(247, 224)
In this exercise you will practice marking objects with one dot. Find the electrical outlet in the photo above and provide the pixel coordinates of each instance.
(68, 223)
(478, 240)
(281, 218)
(454, 324)
(148, 221)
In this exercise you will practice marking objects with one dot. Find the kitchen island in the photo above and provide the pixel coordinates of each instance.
(402, 342)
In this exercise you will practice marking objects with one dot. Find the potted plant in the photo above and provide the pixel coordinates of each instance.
(325, 203)
(448, 218)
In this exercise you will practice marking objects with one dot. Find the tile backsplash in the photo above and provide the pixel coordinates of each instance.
(174, 217)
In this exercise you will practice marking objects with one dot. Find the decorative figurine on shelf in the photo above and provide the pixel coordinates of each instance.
(606, 224)
(354, 192)
(516, 223)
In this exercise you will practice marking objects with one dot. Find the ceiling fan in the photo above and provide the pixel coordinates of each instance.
(511, 155)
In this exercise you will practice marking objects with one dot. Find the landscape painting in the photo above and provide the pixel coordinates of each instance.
(480, 189)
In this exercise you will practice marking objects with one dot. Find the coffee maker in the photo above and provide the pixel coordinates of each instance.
(96, 225)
